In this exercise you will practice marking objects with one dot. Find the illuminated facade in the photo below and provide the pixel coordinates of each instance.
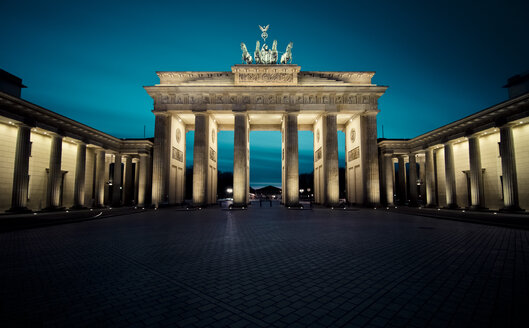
(272, 98)
(478, 162)
(51, 162)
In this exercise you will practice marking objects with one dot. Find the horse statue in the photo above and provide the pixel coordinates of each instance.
(257, 53)
(274, 52)
(246, 57)
(287, 56)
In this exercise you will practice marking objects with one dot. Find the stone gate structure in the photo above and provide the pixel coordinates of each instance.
(265, 97)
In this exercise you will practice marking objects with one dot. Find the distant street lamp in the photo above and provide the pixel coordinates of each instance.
(229, 190)
(301, 190)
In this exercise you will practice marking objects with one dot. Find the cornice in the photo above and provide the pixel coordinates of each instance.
(494, 116)
(36, 116)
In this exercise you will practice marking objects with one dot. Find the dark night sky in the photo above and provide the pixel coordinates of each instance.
(89, 60)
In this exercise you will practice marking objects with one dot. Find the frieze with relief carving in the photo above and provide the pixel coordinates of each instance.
(181, 99)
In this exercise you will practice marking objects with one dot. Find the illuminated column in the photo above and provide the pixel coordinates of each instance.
(128, 187)
(200, 159)
(402, 179)
(330, 157)
(161, 159)
(476, 175)
(450, 176)
(142, 178)
(80, 170)
(116, 181)
(136, 163)
(53, 200)
(240, 160)
(431, 199)
(100, 178)
(369, 151)
(508, 170)
(389, 168)
(412, 181)
(422, 177)
(291, 183)
(19, 198)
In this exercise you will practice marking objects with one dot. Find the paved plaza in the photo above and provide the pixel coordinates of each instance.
(265, 267)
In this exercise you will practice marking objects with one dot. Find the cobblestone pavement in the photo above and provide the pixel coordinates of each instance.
(265, 267)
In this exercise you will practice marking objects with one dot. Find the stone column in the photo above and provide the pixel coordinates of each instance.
(369, 149)
(80, 171)
(100, 178)
(412, 181)
(508, 170)
(402, 179)
(389, 168)
(431, 199)
(142, 178)
(450, 176)
(53, 200)
(160, 169)
(200, 159)
(476, 175)
(116, 181)
(240, 160)
(291, 192)
(128, 186)
(330, 153)
(19, 196)
(136, 162)
(422, 177)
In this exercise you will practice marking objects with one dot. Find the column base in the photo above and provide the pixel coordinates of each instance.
(451, 207)
(238, 206)
(53, 209)
(413, 204)
(478, 208)
(79, 207)
(512, 209)
(19, 210)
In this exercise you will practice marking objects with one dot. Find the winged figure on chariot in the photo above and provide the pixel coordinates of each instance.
(265, 55)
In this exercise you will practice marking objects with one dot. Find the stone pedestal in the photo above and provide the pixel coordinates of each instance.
(450, 177)
(330, 157)
(240, 160)
(291, 175)
(388, 170)
(412, 181)
(116, 181)
(53, 200)
(402, 180)
(80, 171)
(431, 197)
(476, 174)
(19, 198)
(508, 170)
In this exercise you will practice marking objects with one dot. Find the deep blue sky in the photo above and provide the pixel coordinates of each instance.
(89, 60)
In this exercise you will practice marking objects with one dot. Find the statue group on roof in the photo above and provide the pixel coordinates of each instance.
(264, 55)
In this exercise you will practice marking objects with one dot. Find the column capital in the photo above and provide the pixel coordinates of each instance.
(370, 113)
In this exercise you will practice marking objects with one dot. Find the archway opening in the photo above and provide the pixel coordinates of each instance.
(265, 164)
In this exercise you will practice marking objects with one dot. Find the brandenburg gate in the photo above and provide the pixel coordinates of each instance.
(263, 95)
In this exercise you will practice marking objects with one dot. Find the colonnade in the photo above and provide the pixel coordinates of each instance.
(326, 177)
(134, 189)
(407, 193)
